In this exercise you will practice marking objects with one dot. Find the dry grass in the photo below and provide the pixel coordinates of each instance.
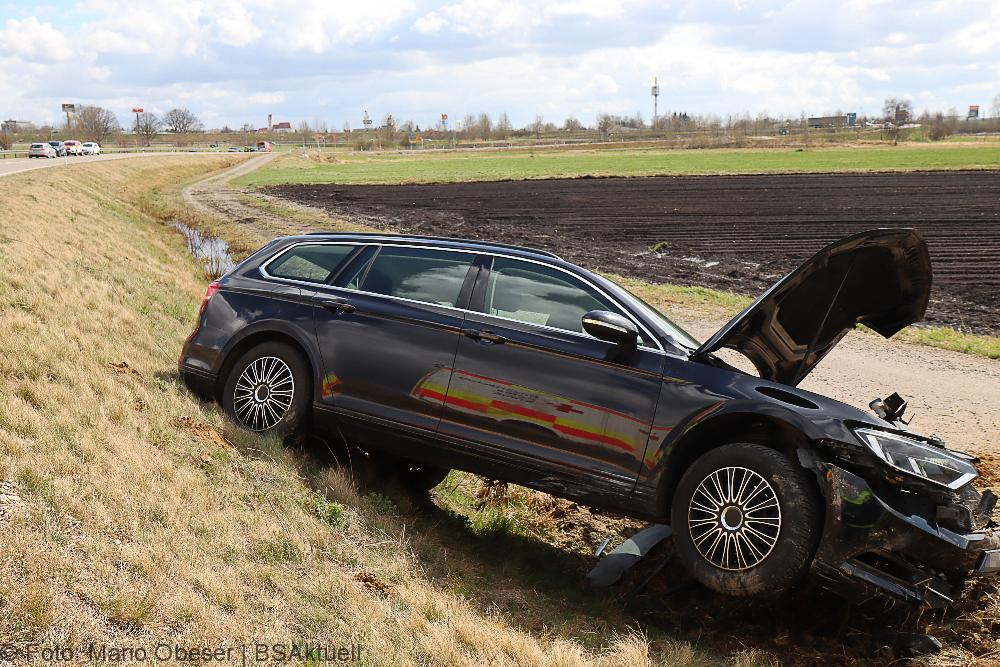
(141, 514)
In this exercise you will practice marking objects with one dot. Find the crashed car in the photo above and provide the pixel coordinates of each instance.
(430, 354)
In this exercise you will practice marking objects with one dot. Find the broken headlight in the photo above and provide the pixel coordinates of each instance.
(917, 458)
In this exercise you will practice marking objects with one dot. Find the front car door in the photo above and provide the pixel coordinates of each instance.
(557, 409)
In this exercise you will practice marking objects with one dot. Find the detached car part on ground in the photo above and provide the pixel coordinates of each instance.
(433, 354)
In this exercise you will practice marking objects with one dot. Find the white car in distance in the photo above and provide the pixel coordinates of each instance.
(41, 149)
(90, 148)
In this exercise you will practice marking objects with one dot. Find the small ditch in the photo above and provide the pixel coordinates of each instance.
(209, 251)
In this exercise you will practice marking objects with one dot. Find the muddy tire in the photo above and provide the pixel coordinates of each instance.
(268, 390)
(747, 520)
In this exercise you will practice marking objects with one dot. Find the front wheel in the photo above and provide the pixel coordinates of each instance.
(747, 520)
(268, 389)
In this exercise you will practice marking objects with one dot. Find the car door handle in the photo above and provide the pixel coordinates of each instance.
(337, 305)
(487, 336)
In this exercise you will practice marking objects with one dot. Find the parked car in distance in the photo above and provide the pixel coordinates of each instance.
(41, 150)
(90, 148)
(234, 149)
(429, 354)
(59, 147)
(73, 147)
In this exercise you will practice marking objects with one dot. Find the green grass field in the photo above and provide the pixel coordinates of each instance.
(450, 167)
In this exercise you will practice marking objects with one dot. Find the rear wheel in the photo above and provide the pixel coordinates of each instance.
(746, 520)
(268, 389)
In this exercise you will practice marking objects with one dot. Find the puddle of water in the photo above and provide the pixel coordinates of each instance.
(211, 251)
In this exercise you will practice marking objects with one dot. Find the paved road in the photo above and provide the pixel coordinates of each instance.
(16, 165)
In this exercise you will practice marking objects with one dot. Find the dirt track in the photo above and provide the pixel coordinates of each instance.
(737, 233)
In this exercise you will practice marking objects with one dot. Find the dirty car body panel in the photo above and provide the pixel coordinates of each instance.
(417, 350)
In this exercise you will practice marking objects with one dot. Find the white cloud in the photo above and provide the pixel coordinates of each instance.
(33, 41)
(235, 60)
(276, 97)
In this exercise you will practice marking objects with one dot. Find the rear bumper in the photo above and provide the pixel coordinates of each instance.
(869, 548)
(198, 381)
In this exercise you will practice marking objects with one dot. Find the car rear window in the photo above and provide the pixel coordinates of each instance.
(311, 263)
(421, 274)
(38, 145)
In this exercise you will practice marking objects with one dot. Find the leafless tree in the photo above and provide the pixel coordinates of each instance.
(897, 111)
(537, 126)
(503, 126)
(181, 121)
(5, 141)
(995, 106)
(147, 126)
(96, 123)
(572, 124)
(484, 126)
(468, 125)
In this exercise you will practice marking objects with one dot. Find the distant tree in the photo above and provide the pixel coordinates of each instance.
(246, 127)
(468, 125)
(408, 127)
(226, 130)
(96, 123)
(387, 131)
(537, 126)
(995, 106)
(5, 138)
(347, 126)
(897, 111)
(605, 123)
(181, 121)
(503, 126)
(484, 126)
(572, 124)
(147, 125)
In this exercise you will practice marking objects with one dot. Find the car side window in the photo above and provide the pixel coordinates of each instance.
(311, 263)
(537, 294)
(421, 274)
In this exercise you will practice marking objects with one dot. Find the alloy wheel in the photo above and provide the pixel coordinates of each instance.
(734, 518)
(263, 393)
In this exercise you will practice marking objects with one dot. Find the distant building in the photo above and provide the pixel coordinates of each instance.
(832, 121)
(283, 126)
(15, 126)
(973, 112)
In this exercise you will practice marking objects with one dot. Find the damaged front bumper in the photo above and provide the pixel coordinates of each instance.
(869, 548)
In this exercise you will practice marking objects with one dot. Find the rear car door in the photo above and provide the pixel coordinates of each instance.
(553, 405)
(391, 321)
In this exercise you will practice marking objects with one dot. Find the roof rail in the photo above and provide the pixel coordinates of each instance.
(508, 246)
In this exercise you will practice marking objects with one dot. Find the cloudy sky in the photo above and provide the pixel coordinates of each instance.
(233, 61)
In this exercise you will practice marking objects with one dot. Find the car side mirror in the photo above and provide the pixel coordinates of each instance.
(611, 327)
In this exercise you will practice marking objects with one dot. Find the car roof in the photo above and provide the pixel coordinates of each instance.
(443, 241)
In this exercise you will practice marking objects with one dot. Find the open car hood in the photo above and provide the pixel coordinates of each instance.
(880, 278)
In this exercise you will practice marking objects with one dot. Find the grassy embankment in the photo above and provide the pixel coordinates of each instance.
(133, 513)
(454, 167)
(449, 167)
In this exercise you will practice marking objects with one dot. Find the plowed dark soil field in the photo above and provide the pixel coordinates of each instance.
(738, 233)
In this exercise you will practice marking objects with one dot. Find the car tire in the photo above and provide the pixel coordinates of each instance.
(747, 520)
(256, 396)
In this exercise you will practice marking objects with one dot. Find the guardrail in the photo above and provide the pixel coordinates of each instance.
(11, 154)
